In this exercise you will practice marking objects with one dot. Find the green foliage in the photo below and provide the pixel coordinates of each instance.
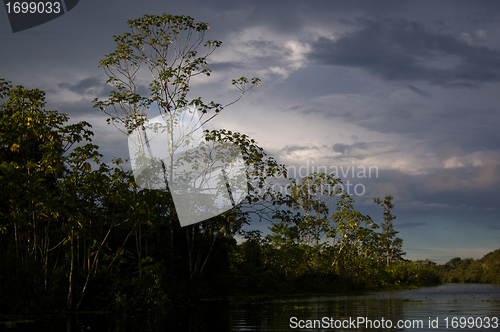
(37, 159)
(144, 291)
(262, 170)
(66, 218)
(313, 198)
(484, 270)
(321, 243)
(414, 274)
(354, 230)
(170, 49)
(391, 247)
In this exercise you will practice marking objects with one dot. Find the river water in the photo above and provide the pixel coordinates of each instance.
(449, 307)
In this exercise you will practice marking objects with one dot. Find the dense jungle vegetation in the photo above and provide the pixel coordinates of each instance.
(484, 270)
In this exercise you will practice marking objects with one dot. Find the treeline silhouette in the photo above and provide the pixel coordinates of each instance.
(484, 270)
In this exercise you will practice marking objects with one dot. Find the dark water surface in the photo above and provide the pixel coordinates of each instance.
(450, 307)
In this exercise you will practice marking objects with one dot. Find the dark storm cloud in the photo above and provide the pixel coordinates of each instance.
(293, 148)
(346, 149)
(88, 86)
(418, 91)
(224, 66)
(361, 150)
(404, 50)
(341, 148)
(95, 87)
(78, 110)
(440, 190)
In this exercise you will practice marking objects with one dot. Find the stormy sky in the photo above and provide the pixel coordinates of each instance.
(407, 88)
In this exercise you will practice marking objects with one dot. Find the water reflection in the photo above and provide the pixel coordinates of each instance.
(424, 309)
(419, 309)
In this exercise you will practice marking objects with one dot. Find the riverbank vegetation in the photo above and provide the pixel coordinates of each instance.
(484, 270)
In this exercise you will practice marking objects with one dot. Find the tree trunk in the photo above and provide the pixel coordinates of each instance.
(70, 279)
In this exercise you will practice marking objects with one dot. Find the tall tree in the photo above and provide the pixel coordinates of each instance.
(353, 233)
(33, 144)
(310, 200)
(41, 157)
(59, 204)
(259, 203)
(163, 53)
(392, 246)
